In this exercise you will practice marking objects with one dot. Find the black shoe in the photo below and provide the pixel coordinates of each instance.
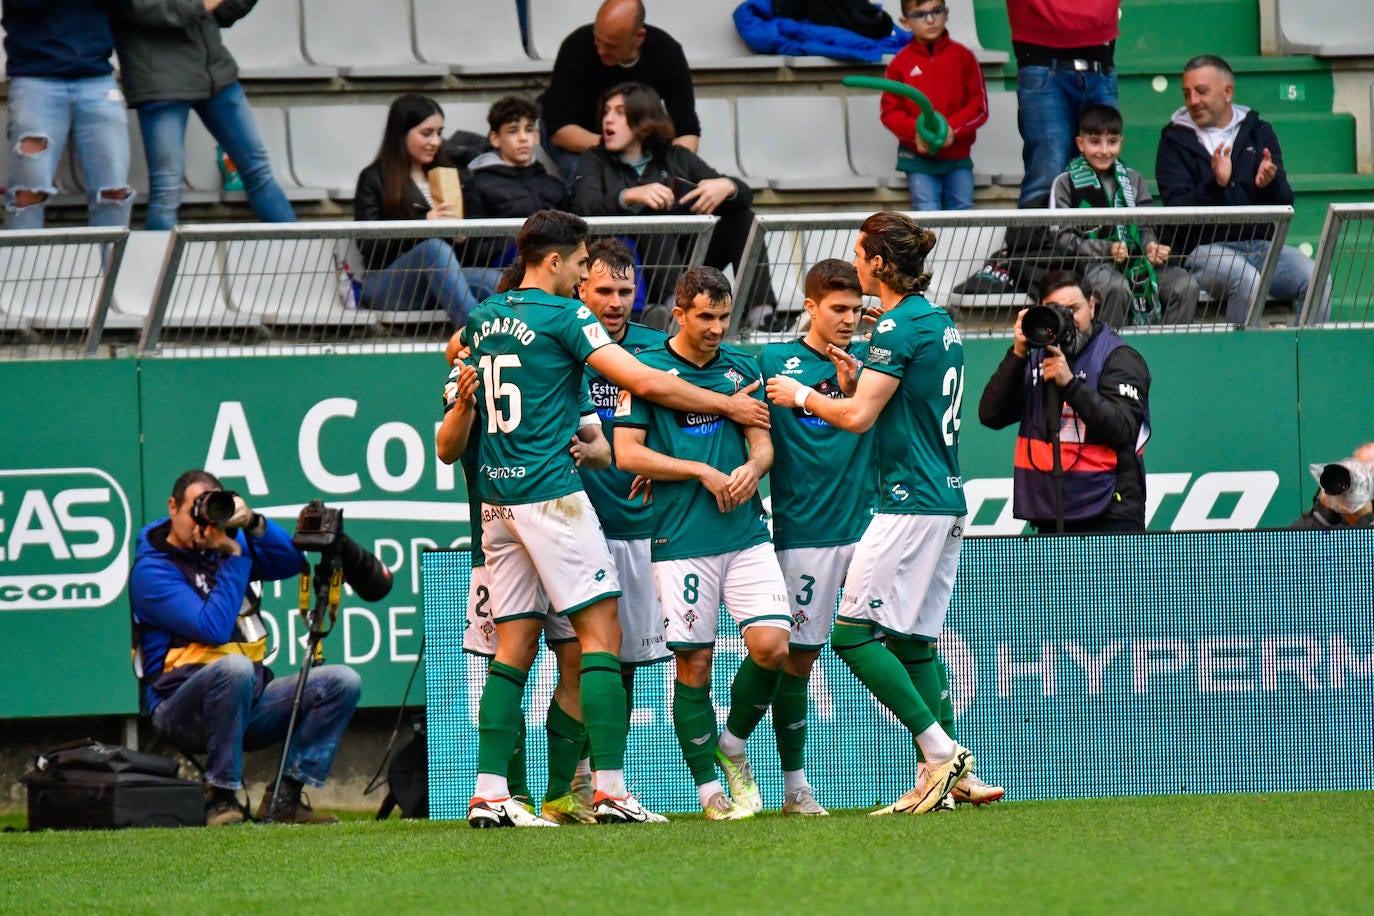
(993, 280)
(222, 807)
(291, 807)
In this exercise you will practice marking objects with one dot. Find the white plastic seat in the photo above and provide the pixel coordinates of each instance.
(997, 151)
(196, 300)
(331, 144)
(267, 44)
(136, 282)
(706, 30)
(1332, 28)
(872, 147)
(472, 37)
(797, 142)
(718, 140)
(288, 282)
(50, 287)
(363, 38)
(549, 21)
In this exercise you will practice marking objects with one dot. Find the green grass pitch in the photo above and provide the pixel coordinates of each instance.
(1298, 853)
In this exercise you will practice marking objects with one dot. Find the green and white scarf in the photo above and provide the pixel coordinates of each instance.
(1139, 272)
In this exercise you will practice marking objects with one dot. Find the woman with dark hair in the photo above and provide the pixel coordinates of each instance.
(637, 170)
(409, 274)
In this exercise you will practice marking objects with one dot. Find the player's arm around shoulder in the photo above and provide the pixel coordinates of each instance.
(856, 414)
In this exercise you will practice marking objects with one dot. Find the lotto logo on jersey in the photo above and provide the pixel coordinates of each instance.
(698, 424)
(792, 366)
(887, 324)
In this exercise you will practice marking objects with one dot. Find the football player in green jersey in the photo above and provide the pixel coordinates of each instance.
(822, 494)
(540, 533)
(710, 541)
(897, 590)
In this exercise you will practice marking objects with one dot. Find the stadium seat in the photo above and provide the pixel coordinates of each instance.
(718, 140)
(550, 21)
(136, 282)
(797, 142)
(963, 28)
(706, 31)
(272, 128)
(331, 144)
(53, 287)
(872, 147)
(997, 151)
(267, 44)
(472, 37)
(364, 38)
(288, 283)
(1332, 28)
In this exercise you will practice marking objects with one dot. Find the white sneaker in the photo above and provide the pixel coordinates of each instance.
(720, 807)
(624, 810)
(933, 783)
(739, 776)
(803, 802)
(503, 812)
(973, 791)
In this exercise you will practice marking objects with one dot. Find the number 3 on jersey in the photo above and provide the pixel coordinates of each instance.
(953, 388)
(497, 390)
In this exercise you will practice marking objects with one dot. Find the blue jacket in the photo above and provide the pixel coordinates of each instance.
(171, 609)
(765, 33)
(66, 39)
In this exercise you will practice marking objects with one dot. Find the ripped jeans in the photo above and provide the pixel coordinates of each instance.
(48, 112)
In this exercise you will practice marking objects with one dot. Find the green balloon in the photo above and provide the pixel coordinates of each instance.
(931, 126)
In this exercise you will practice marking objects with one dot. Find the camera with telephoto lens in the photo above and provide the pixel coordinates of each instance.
(1348, 484)
(213, 507)
(320, 528)
(1050, 325)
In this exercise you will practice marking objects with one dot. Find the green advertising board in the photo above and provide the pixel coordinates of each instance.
(1236, 419)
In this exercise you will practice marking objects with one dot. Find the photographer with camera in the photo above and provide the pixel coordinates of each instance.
(1344, 497)
(1079, 463)
(199, 645)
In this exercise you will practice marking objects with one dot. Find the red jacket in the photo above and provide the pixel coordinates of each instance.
(1064, 23)
(948, 74)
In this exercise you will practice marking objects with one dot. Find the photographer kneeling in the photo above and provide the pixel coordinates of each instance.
(200, 642)
(1345, 490)
(1096, 415)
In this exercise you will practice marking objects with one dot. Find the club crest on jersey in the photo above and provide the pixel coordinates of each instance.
(827, 388)
(690, 618)
(735, 376)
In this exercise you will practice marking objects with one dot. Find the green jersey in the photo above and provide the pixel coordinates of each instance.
(529, 348)
(823, 477)
(622, 519)
(687, 522)
(918, 430)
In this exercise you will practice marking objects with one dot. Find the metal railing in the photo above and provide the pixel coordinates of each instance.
(56, 290)
(277, 288)
(1019, 246)
(1342, 287)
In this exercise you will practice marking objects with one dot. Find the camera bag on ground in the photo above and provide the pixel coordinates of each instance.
(85, 785)
(407, 776)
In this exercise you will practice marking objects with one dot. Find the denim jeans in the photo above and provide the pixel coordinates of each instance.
(1231, 271)
(213, 712)
(1048, 101)
(91, 112)
(426, 275)
(230, 121)
(951, 191)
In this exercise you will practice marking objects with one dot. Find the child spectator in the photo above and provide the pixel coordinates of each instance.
(1127, 271)
(507, 181)
(947, 73)
(410, 274)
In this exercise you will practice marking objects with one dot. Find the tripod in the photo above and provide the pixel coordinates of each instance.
(328, 582)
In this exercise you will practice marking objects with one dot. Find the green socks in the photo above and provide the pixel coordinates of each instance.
(566, 736)
(751, 694)
(883, 674)
(603, 709)
(499, 718)
(928, 676)
(694, 720)
(789, 720)
(516, 776)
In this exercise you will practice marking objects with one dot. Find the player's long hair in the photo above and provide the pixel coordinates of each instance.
(393, 159)
(903, 246)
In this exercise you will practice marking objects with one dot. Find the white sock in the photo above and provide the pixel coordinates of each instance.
(492, 786)
(935, 744)
(730, 744)
(612, 782)
(792, 780)
(704, 792)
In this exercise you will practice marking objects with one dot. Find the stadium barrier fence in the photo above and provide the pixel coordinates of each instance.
(1345, 267)
(969, 239)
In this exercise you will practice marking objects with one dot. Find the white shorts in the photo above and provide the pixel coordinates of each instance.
(814, 576)
(902, 574)
(556, 544)
(747, 581)
(479, 636)
(642, 638)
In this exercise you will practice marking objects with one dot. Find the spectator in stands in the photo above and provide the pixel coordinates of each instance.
(507, 180)
(948, 74)
(637, 169)
(410, 274)
(200, 644)
(1215, 153)
(617, 48)
(1125, 267)
(172, 61)
(62, 89)
(1349, 509)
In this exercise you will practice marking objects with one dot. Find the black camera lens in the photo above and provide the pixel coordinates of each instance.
(213, 507)
(1335, 479)
(1046, 325)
